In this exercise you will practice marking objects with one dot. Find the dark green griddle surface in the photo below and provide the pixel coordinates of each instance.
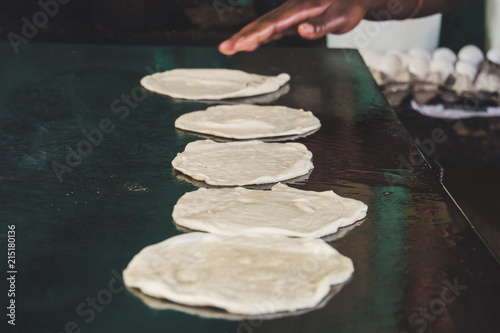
(74, 236)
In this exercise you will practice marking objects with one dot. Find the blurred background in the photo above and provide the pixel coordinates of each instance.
(196, 22)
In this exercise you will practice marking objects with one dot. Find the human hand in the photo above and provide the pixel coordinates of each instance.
(310, 19)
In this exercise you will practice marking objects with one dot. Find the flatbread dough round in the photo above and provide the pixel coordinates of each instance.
(243, 163)
(247, 121)
(218, 313)
(213, 83)
(282, 211)
(250, 274)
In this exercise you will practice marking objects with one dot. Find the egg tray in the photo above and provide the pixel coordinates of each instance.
(429, 92)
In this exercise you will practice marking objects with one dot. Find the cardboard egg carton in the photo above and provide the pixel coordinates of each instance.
(468, 80)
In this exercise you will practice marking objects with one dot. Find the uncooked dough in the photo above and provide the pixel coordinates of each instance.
(249, 121)
(218, 313)
(250, 274)
(243, 162)
(283, 210)
(212, 83)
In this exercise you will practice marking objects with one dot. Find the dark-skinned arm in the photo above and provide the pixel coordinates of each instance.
(313, 19)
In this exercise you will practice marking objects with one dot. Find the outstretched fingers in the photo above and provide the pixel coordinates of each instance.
(275, 24)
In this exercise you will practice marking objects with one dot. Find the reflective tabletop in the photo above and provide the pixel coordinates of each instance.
(86, 183)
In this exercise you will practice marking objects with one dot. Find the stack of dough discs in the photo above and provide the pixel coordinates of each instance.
(249, 121)
(283, 211)
(260, 255)
(243, 162)
(212, 84)
(251, 274)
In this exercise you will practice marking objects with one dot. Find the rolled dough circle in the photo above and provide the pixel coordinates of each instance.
(212, 83)
(243, 163)
(245, 121)
(282, 211)
(250, 274)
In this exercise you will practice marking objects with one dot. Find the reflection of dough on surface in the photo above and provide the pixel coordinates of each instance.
(283, 210)
(243, 163)
(284, 138)
(250, 275)
(342, 231)
(217, 313)
(210, 84)
(300, 180)
(248, 121)
(261, 99)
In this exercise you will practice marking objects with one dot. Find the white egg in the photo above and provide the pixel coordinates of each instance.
(405, 59)
(419, 67)
(466, 68)
(373, 62)
(370, 56)
(441, 66)
(471, 54)
(418, 52)
(397, 52)
(493, 55)
(444, 53)
(403, 56)
(391, 65)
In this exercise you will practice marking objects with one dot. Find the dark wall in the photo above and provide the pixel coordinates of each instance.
(464, 25)
(184, 22)
(195, 22)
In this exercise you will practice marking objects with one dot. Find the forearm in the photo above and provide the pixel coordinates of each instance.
(383, 10)
(315, 18)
